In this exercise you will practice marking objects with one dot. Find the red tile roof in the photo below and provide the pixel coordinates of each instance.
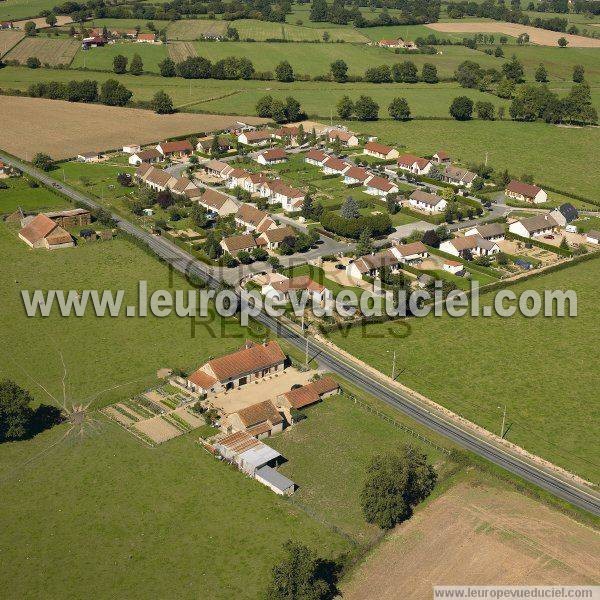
(251, 215)
(274, 154)
(253, 357)
(302, 282)
(316, 155)
(380, 183)
(357, 173)
(378, 148)
(409, 249)
(311, 393)
(259, 413)
(38, 228)
(337, 164)
(176, 146)
(410, 159)
(236, 243)
(525, 189)
(202, 379)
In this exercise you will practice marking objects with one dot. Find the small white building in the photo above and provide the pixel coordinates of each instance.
(152, 155)
(316, 157)
(491, 231)
(379, 186)
(414, 164)
(335, 166)
(427, 202)
(453, 266)
(473, 244)
(131, 148)
(357, 176)
(272, 157)
(531, 227)
(411, 253)
(89, 157)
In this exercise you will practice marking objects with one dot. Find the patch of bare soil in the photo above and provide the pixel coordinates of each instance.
(478, 534)
(157, 429)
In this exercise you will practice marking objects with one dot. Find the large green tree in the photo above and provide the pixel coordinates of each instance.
(461, 108)
(284, 72)
(15, 410)
(399, 109)
(366, 109)
(120, 64)
(339, 71)
(161, 103)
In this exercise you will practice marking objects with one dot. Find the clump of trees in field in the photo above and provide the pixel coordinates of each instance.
(363, 109)
(111, 93)
(281, 112)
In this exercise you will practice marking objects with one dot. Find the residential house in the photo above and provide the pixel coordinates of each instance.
(380, 151)
(75, 217)
(309, 394)
(370, 264)
(176, 148)
(255, 138)
(89, 157)
(151, 155)
(236, 178)
(147, 38)
(43, 232)
(217, 168)
(280, 291)
(399, 43)
(250, 217)
(254, 181)
(272, 156)
(411, 253)
(92, 42)
(490, 231)
(131, 148)
(237, 243)
(346, 138)
(525, 192)
(157, 179)
(260, 420)
(182, 185)
(291, 199)
(427, 202)
(470, 244)
(217, 204)
(441, 157)
(414, 164)
(380, 186)
(272, 238)
(251, 362)
(205, 144)
(592, 237)
(6, 25)
(287, 132)
(566, 213)
(316, 157)
(531, 227)
(458, 176)
(334, 166)
(357, 176)
(453, 266)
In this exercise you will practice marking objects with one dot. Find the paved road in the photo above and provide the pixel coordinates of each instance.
(579, 495)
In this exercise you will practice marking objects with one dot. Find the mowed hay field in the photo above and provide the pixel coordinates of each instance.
(543, 37)
(264, 30)
(179, 51)
(102, 58)
(11, 10)
(193, 29)
(477, 533)
(50, 51)
(8, 39)
(474, 365)
(55, 127)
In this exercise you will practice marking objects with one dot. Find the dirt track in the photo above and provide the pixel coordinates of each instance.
(475, 534)
(543, 37)
(64, 129)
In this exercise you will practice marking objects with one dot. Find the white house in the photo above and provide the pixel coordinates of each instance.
(380, 151)
(131, 148)
(217, 204)
(453, 266)
(316, 157)
(154, 178)
(346, 138)
(356, 175)
(280, 291)
(236, 178)
(217, 168)
(491, 231)
(238, 243)
(441, 157)
(251, 218)
(525, 192)
(272, 156)
(255, 138)
(89, 157)
(379, 186)
(534, 226)
(427, 202)
(370, 264)
(566, 213)
(335, 166)
(291, 199)
(410, 253)
(473, 244)
(272, 238)
(145, 156)
(414, 164)
(458, 176)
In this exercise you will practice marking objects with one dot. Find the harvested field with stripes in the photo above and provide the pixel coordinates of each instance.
(264, 30)
(179, 51)
(8, 39)
(52, 52)
(195, 29)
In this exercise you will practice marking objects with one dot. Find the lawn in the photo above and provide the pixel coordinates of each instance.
(194, 29)
(19, 194)
(540, 368)
(12, 10)
(126, 24)
(328, 455)
(101, 59)
(317, 274)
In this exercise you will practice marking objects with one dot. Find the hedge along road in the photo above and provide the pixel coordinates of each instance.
(577, 494)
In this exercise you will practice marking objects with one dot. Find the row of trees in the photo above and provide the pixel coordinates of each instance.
(404, 72)
(111, 92)
(281, 112)
(198, 67)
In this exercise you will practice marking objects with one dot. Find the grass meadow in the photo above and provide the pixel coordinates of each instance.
(12, 10)
(541, 369)
(19, 194)
(101, 59)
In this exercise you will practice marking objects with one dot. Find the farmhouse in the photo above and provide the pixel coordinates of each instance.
(380, 151)
(250, 217)
(272, 156)
(410, 253)
(427, 202)
(145, 156)
(525, 192)
(471, 244)
(92, 42)
(89, 157)
(566, 213)
(592, 237)
(279, 291)
(399, 43)
(458, 176)
(380, 186)
(534, 226)
(441, 157)
(76, 217)
(334, 166)
(252, 361)
(370, 264)
(346, 138)
(147, 38)
(272, 238)
(177, 148)
(491, 231)
(217, 204)
(43, 232)
(255, 138)
(414, 164)
(356, 175)
(131, 148)
(238, 243)
(316, 157)
(217, 168)
(309, 394)
(259, 420)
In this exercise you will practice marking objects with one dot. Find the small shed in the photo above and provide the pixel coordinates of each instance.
(275, 481)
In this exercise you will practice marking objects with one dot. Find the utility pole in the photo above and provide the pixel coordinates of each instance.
(486, 159)
(503, 422)
(394, 366)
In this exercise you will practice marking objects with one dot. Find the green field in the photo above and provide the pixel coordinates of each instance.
(540, 368)
(19, 194)
(102, 58)
(125, 24)
(193, 29)
(12, 10)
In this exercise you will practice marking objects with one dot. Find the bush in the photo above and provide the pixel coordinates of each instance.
(461, 108)
(351, 228)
